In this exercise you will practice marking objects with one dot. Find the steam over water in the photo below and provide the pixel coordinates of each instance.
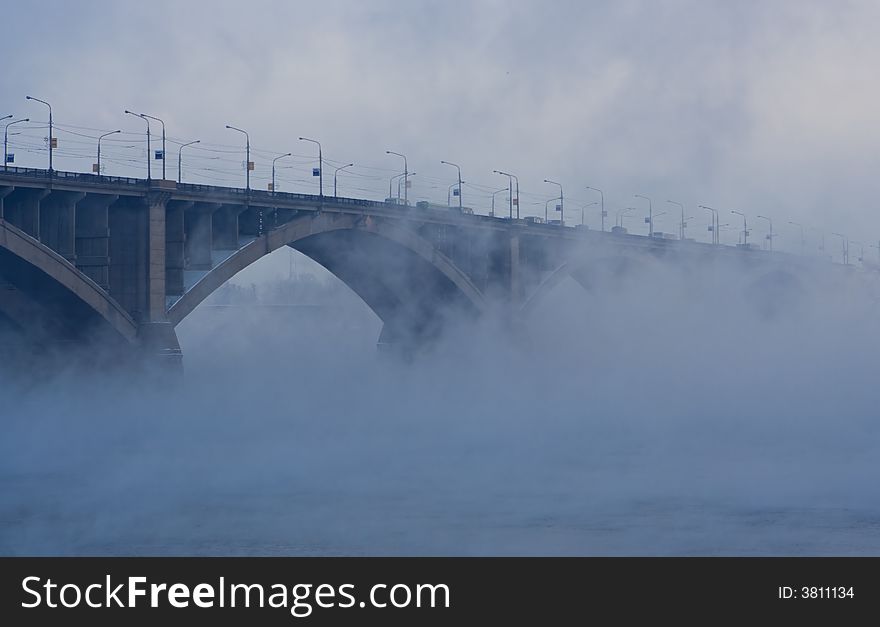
(654, 416)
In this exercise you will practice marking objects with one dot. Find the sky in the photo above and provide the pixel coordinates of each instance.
(769, 108)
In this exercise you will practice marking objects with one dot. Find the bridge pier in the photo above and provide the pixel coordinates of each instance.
(58, 222)
(159, 347)
(92, 238)
(4, 192)
(22, 209)
(175, 246)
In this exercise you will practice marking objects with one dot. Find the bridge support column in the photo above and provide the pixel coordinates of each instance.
(92, 237)
(160, 347)
(156, 203)
(57, 222)
(515, 282)
(156, 335)
(4, 192)
(175, 244)
(23, 210)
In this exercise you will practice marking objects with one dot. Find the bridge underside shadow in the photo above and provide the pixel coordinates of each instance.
(411, 297)
(412, 287)
(47, 304)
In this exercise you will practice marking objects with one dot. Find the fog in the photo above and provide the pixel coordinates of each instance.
(663, 413)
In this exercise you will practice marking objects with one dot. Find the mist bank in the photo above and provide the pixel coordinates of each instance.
(660, 412)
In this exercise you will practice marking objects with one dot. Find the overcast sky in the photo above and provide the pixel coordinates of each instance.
(766, 107)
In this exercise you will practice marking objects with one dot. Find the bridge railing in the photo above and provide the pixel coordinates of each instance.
(78, 177)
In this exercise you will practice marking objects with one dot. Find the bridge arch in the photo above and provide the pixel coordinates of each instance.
(45, 289)
(586, 270)
(399, 274)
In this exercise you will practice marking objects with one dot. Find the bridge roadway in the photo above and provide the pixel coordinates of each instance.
(128, 259)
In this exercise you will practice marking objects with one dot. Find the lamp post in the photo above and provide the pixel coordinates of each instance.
(401, 180)
(336, 172)
(141, 116)
(745, 226)
(247, 162)
(716, 236)
(5, 117)
(405, 176)
(459, 183)
(602, 195)
(621, 214)
(589, 204)
(650, 214)
(180, 158)
(287, 154)
(510, 196)
(503, 189)
(163, 140)
(320, 165)
(770, 234)
(449, 194)
(6, 139)
(50, 127)
(681, 225)
(546, 205)
(845, 241)
(802, 234)
(100, 137)
(390, 182)
(516, 180)
(561, 202)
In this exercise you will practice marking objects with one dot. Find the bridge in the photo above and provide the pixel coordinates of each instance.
(122, 261)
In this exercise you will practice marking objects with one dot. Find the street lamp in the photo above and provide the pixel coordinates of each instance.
(802, 234)
(621, 214)
(769, 235)
(180, 157)
(845, 241)
(50, 127)
(516, 202)
(6, 117)
(248, 165)
(681, 225)
(6, 139)
(650, 214)
(546, 204)
(449, 194)
(390, 182)
(320, 165)
(401, 180)
(163, 140)
(459, 183)
(745, 226)
(716, 236)
(336, 171)
(287, 154)
(589, 204)
(144, 118)
(503, 189)
(100, 137)
(561, 202)
(510, 196)
(405, 176)
(602, 195)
